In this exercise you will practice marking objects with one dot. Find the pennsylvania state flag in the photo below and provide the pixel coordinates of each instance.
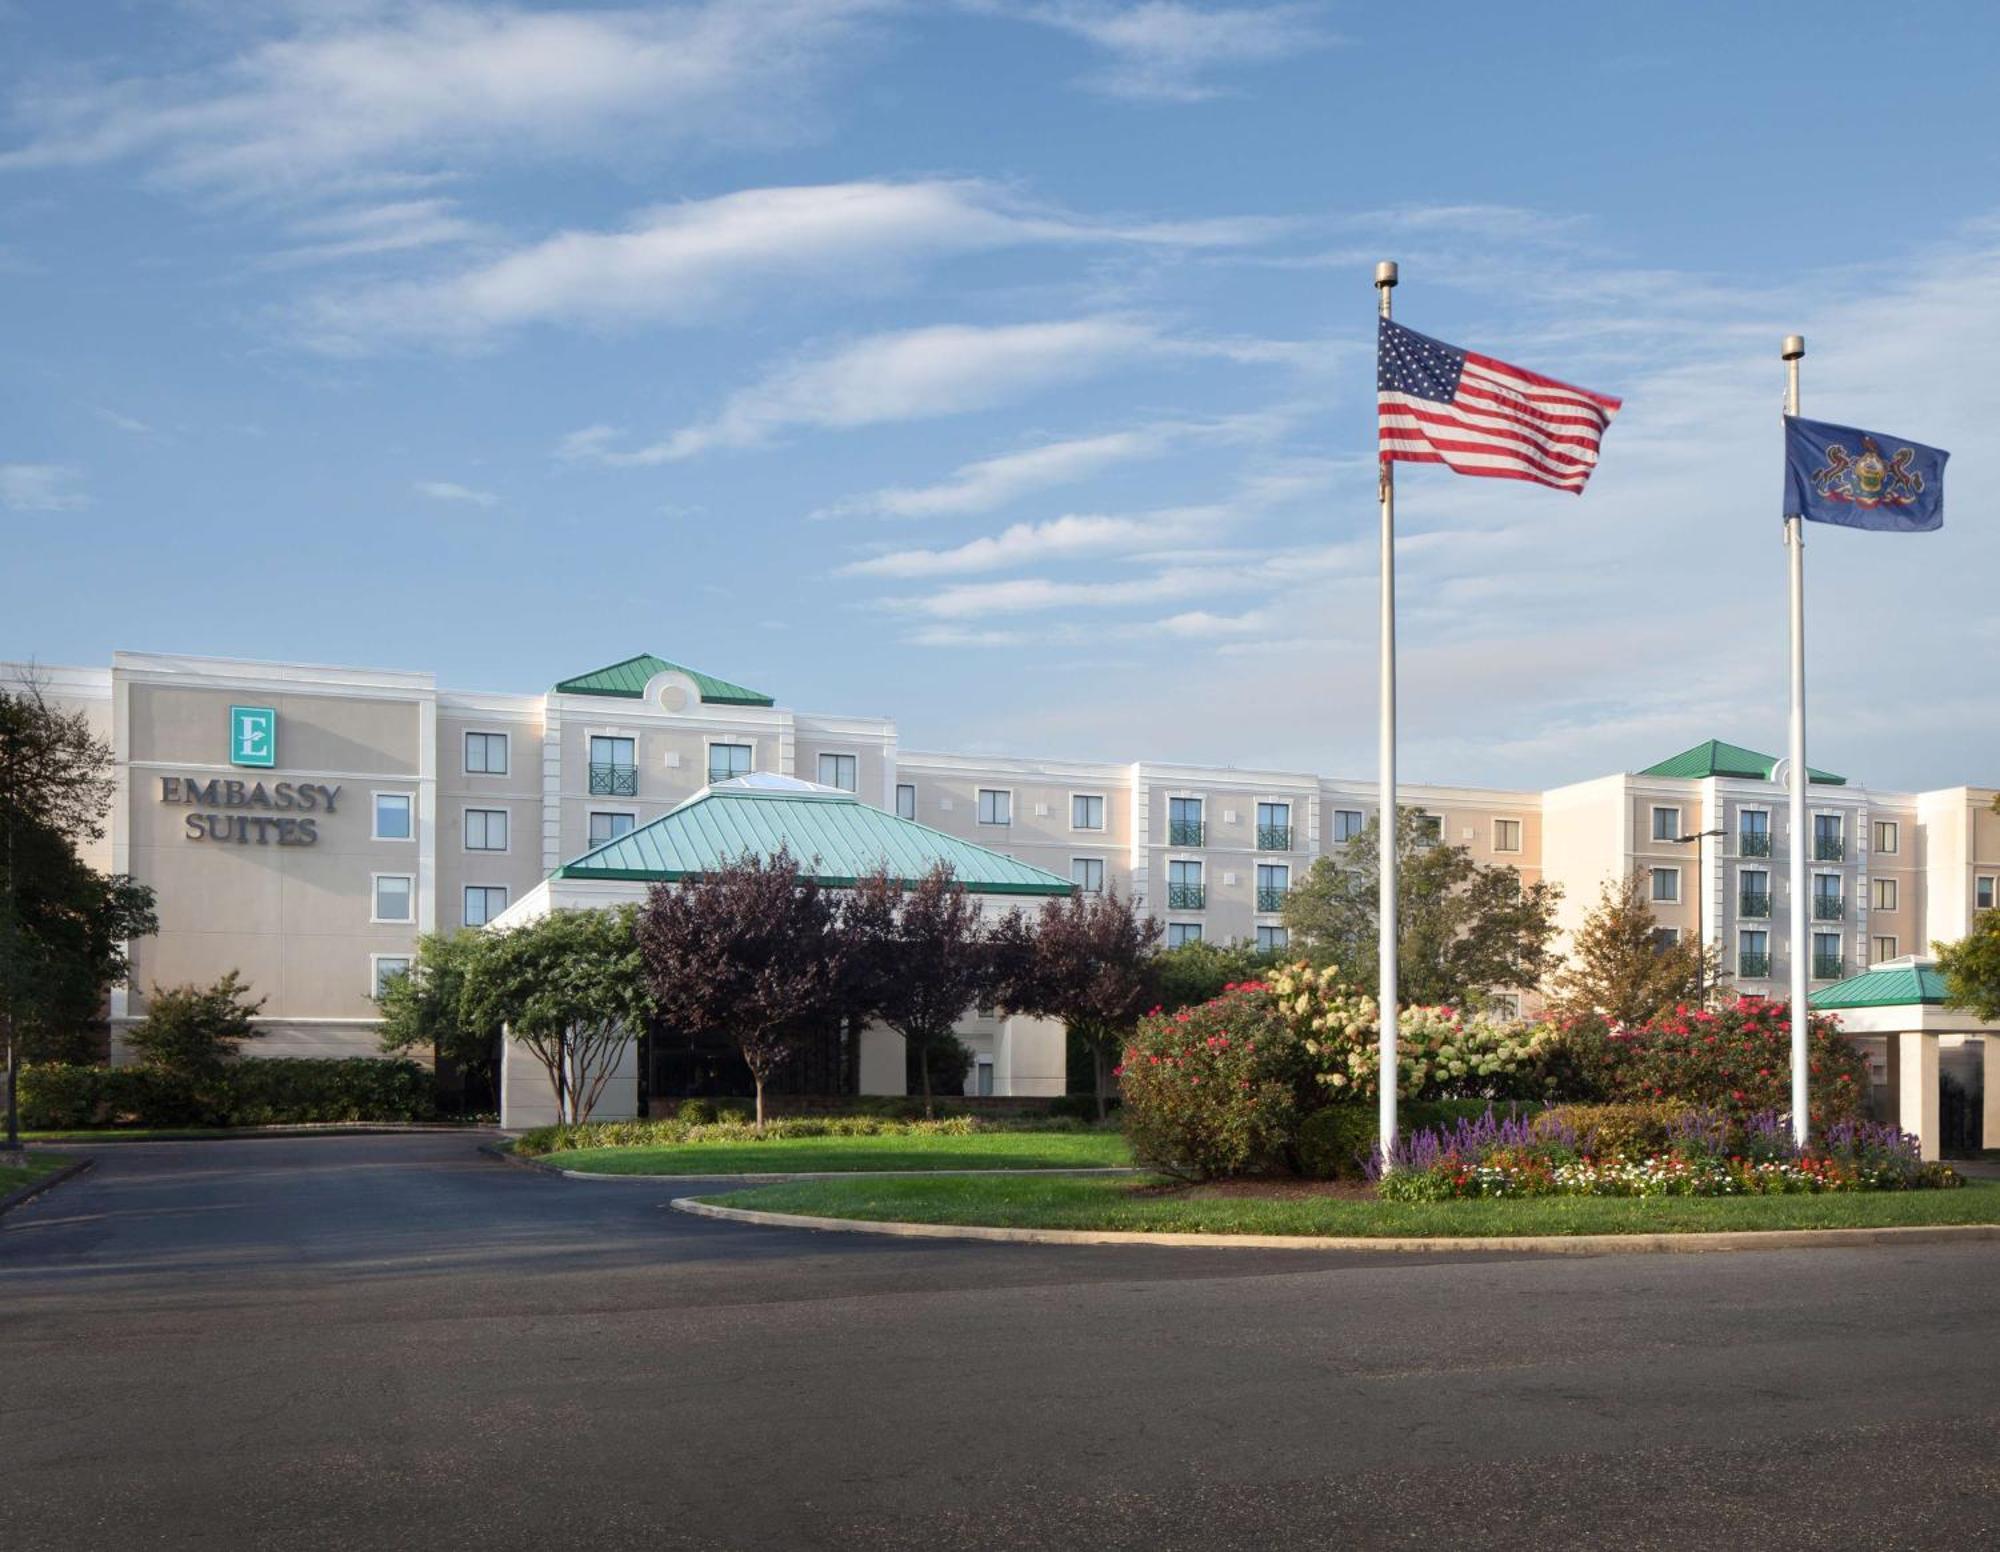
(1862, 479)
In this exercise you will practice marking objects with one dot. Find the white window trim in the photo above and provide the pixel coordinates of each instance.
(375, 900)
(1876, 941)
(1992, 891)
(506, 742)
(1895, 829)
(1653, 894)
(1103, 875)
(1263, 927)
(1884, 888)
(837, 754)
(1105, 811)
(1199, 799)
(1199, 862)
(1653, 821)
(1333, 825)
(375, 817)
(708, 760)
(375, 971)
(1520, 832)
(1820, 875)
(590, 814)
(507, 899)
(897, 798)
(977, 806)
(1197, 926)
(485, 851)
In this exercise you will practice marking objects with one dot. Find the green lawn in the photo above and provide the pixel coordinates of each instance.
(781, 1155)
(38, 1165)
(1122, 1203)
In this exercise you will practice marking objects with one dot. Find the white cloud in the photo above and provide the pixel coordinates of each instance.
(690, 262)
(1035, 595)
(1032, 543)
(1167, 50)
(41, 487)
(913, 374)
(126, 423)
(364, 230)
(448, 490)
(421, 85)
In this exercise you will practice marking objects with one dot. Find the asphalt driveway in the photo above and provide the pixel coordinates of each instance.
(397, 1342)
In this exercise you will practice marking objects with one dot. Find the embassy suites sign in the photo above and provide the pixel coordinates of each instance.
(249, 813)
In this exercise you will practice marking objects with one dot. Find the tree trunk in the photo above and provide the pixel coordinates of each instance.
(13, 1143)
(924, 1068)
(758, 1079)
(1100, 1060)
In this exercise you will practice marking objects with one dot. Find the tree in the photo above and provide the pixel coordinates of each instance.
(929, 952)
(1618, 971)
(751, 952)
(570, 987)
(424, 1009)
(1463, 927)
(1196, 972)
(1971, 966)
(193, 1032)
(63, 926)
(1087, 960)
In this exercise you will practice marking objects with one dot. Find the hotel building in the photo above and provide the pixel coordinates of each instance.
(304, 824)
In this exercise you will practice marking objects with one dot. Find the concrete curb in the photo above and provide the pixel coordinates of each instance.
(1544, 1244)
(500, 1151)
(35, 1188)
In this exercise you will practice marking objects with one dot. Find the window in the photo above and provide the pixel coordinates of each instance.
(1666, 824)
(1885, 948)
(1274, 827)
(1274, 882)
(1753, 892)
(1430, 829)
(1753, 954)
(486, 829)
(1183, 932)
(1506, 835)
(1827, 962)
(381, 967)
(606, 826)
(983, 1073)
(1887, 836)
(486, 754)
(1271, 940)
(1503, 1005)
(906, 800)
(392, 816)
(614, 767)
(1882, 894)
(483, 902)
(1184, 887)
(728, 760)
(394, 896)
(1828, 838)
(1753, 832)
(1827, 904)
(1982, 893)
(995, 808)
(1087, 873)
(1348, 823)
(1184, 822)
(1666, 885)
(1665, 938)
(837, 770)
(1086, 811)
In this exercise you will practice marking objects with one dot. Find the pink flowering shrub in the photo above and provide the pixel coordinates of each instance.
(1213, 1090)
(1738, 1059)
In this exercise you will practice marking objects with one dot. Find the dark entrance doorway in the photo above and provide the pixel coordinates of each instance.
(1962, 1099)
(674, 1066)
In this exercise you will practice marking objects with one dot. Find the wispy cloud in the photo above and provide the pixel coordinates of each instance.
(1171, 51)
(1030, 543)
(129, 424)
(357, 91)
(382, 227)
(449, 490)
(41, 487)
(912, 374)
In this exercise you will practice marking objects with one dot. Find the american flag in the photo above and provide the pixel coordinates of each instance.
(1439, 404)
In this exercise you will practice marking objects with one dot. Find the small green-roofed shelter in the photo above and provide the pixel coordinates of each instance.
(833, 833)
(1895, 983)
(628, 680)
(1715, 758)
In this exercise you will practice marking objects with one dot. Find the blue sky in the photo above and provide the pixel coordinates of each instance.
(1003, 367)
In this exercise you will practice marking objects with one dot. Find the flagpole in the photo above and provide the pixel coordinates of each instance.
(1386, 827)
(1795, 543)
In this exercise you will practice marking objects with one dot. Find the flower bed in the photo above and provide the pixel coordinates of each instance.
(1706, 1154)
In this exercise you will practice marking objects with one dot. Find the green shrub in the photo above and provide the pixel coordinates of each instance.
(275, 1091)
(1335, 1140)
(667, 1133)
(1213, 1090)
(1624, 1128)
(696, 1112)
(1078, 1107)
(56, 1096)
(196, 1030)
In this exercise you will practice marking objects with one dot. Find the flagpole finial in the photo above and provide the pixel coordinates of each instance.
(1385, 273)
(1795, 346)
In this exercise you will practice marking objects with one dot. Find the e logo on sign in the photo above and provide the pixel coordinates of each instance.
(253, 736)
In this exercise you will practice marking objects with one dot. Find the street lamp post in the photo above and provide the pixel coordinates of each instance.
(1700, 934)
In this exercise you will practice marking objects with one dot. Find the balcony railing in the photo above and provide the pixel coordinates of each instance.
(1754, 843)
(1187, 897)
(1829, 848)
(1186, 832)
(1271, 899)
(1829, 967)
(1754, 902)
(1829, 908)
(1274, 837)
(1753, 967)
(614, 781)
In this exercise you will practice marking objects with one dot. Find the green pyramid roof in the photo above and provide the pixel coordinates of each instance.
(627, 681)
(840, 838)
(1715, 758)
(1897, 983)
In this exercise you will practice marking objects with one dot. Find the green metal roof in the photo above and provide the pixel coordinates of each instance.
(1715, 758)
(1898, 983)
(627, 681)
(841, 839)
